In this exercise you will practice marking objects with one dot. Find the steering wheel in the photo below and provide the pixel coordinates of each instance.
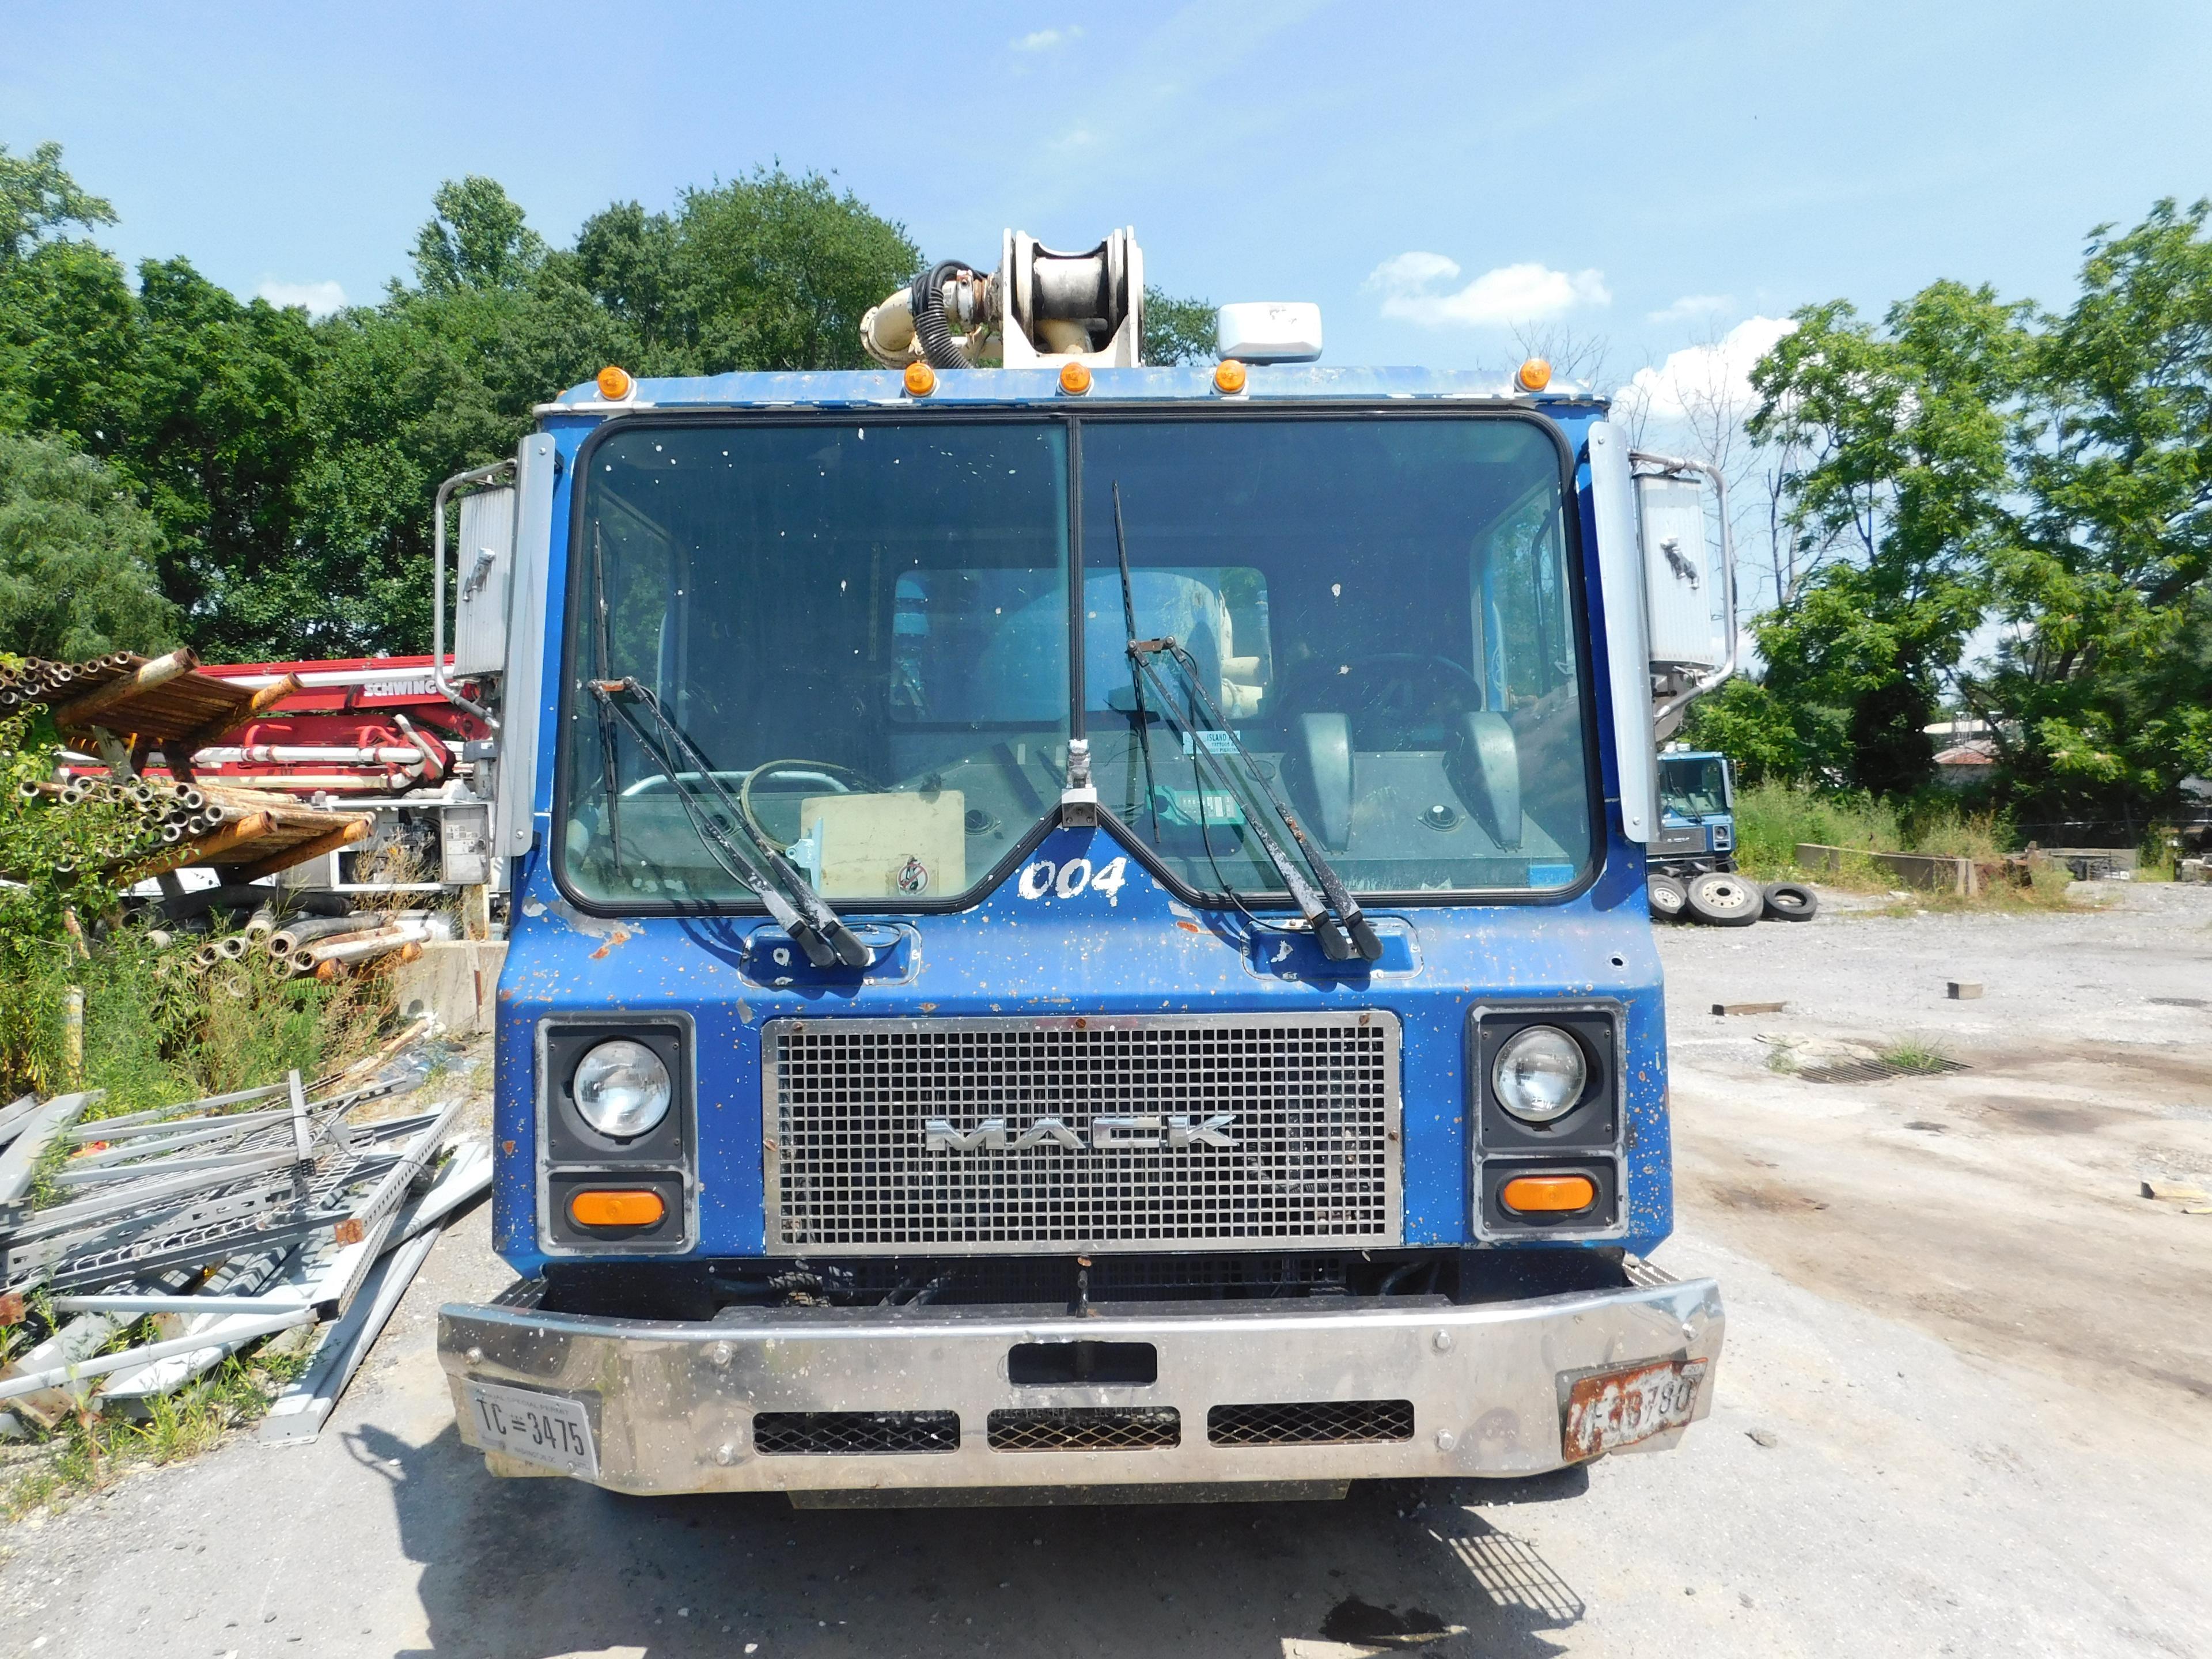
(1390, 695)
(844, 780)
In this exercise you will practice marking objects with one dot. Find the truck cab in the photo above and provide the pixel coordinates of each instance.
(1076, 925)
(1697, 813)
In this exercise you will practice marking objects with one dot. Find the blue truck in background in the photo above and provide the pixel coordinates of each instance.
(1075, 925)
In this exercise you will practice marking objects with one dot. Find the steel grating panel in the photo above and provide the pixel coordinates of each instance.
(853, 1434)
(1083, 1428)
(1096, 1134)
(1311, 1423)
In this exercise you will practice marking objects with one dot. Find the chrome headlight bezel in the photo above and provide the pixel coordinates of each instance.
(572, 1151)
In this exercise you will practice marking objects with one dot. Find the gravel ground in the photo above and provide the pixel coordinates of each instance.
(1966, 1406)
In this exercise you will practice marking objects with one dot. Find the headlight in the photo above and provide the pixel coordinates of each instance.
(622, 1088)
(1540, 1074)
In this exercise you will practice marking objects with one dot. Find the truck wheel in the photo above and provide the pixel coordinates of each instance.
(1788, 902)
(1668, 897)
(1724, 901)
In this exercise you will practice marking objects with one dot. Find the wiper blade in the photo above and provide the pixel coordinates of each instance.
(728, 836)
(1342, 935)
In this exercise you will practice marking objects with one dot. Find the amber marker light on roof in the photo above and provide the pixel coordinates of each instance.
(1556, 1194)
(1534, 374)
(921, 379)
(616, 1209)
(1074, 380)
(615, 384)
(1229, 376)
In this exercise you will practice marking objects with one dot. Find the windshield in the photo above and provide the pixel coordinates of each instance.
(865, 628)
(1381, 609)
(1690, 786)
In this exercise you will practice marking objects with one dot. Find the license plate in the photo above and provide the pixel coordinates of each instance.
(544, 1429)
(1614, 1409)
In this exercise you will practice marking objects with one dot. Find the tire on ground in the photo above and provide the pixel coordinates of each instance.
(1723, 900)
(1787, 901)
(1668, 897)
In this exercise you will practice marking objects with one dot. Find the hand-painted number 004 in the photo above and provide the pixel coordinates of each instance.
(1045, 879)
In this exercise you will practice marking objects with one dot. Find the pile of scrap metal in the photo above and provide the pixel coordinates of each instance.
(220, 1222)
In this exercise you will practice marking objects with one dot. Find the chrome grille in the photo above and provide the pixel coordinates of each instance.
(1083, 1428)
(1311, 1100)
(1311, 1423)
(853, 1434)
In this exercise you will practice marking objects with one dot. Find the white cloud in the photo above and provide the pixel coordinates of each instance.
(1690, 306)
(317, 299)
(1412, 288)
(1707, 378)
(1047, 39)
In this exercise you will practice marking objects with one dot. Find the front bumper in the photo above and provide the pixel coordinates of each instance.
(672, 1405)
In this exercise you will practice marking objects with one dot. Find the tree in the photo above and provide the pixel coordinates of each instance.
(1178, 330)
(477, 239)
(76, 557)
(37, 197)
(769, 271)
(1895, 512)
(2104, 686)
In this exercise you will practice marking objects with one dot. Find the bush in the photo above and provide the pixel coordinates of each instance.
(1773, 818)
(157, 1029)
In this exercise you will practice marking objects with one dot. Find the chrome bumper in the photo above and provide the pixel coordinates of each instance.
(672, 1405)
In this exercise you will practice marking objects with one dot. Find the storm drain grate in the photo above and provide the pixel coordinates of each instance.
(853, 1434)
(1875, 1071)
(1311, 1423)
(1084, 1428)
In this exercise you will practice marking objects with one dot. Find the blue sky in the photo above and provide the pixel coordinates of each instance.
(1652, 174)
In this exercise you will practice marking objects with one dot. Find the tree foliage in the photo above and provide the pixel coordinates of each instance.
(76, 557)
(1971, 464)
(1178, 330)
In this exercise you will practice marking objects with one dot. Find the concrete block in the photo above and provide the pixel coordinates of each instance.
(456, 980)
(1963, 990)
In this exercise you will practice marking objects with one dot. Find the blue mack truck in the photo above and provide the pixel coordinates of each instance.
(1075, 926)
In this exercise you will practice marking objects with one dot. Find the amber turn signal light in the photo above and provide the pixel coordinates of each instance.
(1534, 374)
(1229, 376)
(1553, 1194)
(921, 379)
(616, 1209)
(615, 384)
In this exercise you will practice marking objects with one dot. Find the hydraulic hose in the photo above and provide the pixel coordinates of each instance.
(930, 328)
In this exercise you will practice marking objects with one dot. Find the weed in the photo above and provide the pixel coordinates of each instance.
(1915, 1054)
(86, 1452)
(1783, 1059)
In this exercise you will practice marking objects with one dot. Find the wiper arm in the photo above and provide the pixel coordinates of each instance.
(1342, 935)
(1136, 680)
(748, 859)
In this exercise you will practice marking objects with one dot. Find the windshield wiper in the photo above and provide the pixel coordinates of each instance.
(752, 860)
(1345, 933)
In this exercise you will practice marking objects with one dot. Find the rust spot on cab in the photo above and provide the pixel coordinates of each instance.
(507, 1146)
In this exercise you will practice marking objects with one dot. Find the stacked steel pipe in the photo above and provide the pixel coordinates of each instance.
(39, 680)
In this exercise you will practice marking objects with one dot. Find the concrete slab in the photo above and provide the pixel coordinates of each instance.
(457, 980)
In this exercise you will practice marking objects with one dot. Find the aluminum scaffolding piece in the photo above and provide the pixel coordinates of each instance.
(232, 1220)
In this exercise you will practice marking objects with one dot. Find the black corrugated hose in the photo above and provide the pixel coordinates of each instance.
(927, 297)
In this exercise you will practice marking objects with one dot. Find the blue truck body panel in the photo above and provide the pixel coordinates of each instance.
(1139, 951)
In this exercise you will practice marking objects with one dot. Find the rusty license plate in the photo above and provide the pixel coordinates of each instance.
(1613, 1409)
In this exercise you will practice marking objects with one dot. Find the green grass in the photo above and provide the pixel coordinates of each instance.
(1915, 1054)
(88, 1452)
